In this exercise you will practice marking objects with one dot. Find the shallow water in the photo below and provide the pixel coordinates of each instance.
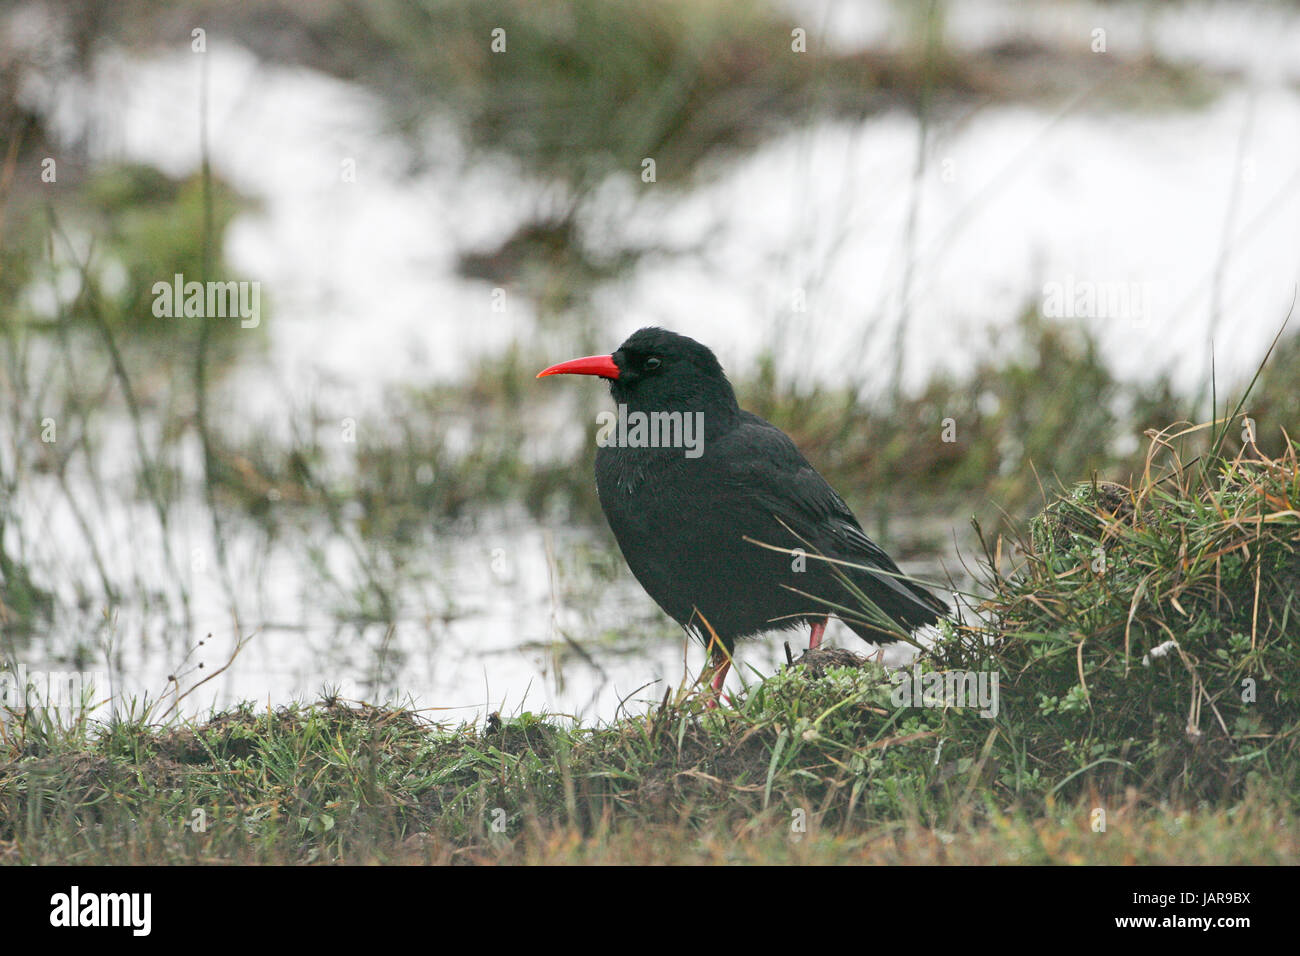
(1014, 202)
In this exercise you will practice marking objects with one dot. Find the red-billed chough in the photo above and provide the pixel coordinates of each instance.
(689, 482)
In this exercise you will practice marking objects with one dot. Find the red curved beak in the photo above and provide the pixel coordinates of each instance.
(602, 365)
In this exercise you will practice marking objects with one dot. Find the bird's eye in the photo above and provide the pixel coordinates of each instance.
(651, 363)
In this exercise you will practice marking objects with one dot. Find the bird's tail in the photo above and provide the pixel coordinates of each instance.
(894, 607)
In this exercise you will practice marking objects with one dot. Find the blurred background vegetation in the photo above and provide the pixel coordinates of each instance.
(162, 489)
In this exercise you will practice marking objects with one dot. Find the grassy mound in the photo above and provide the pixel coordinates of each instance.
(1147, 662)
(800, 770)
(1148, 636)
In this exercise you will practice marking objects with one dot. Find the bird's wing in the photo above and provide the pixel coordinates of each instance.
(775, 475)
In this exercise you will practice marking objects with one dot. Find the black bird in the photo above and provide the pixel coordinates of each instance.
(686, 513)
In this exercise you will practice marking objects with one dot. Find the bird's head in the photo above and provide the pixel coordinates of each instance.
(658, 370)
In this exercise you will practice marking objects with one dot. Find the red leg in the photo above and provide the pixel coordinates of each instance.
(815, 638)
(722, 663)
(720, 677)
